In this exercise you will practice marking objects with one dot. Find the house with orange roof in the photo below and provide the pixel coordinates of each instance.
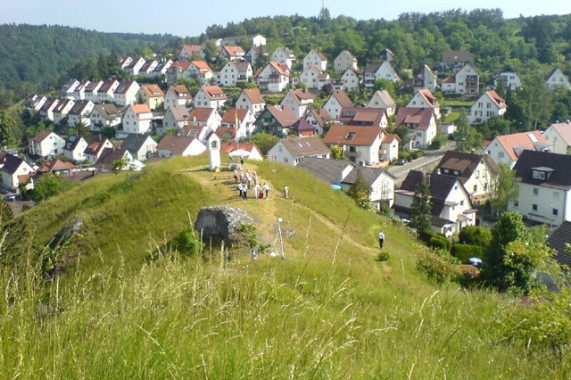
(488, 105)
(507, 149)
(231, 53)
(317, 58)
(210, 97)
(152, 95)
(137, 119)
(234, 72)
(558, 136)
(200, 71)
(56, 166)
(251, 99)
(274, 77)
(187, 51)
(382, 99)
(336, 102)
(242, 120)
(425, 78)
(46, 144)
(422, 124)
(298, 100)
(177, 96)
(360, 144)
(423, 98)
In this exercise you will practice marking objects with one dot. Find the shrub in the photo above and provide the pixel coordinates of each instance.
(383, 256)
(475, 235)
(426, 235)
(187, 242)
(439, 266)
(439, 242)
(464, 251)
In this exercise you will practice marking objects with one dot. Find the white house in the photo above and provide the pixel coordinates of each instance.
(344, 61)
(315, 57)
(382, 99)
(422, 125)
(319, 119)
(254, 152)
(134, 66)
(234, 72)
(252, 100)
(466, 81)
(375, 72)
(509, 77)
(313, 77)
(207, 117)
(104, 115)
(558, 136)
(137, 119)
(423, 98)
(284, 56)
(47, 110)
(140, 146)
(46, 144)
(80, 113)
(290, 151)
(175, 146)
(298, 100)
(109, 157)
(200, 71)
(177, 96)
(79, 91)
(425, 78)
(95, 148)
(106, 92)
(210, 97)
(274, 77)
(231, 53)
(61, 110)
(176, 117)
(255, 53)
(507, 149)
(544, 188)
(390, 147)
(126, 93)
(91, 90)
(351, 78)
(336, 102)
(488, 105)
(74, 148)
(13, 170)
(451, 207)
(557, 78)
(244, 118)
(360, 144)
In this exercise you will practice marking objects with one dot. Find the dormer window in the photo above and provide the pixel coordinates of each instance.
(541, 173)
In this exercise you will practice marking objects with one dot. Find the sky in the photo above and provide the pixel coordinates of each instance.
(191, 18)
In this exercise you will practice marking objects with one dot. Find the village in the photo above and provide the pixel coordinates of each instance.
(335, 139)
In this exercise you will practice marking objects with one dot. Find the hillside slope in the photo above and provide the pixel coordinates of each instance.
(328, 311)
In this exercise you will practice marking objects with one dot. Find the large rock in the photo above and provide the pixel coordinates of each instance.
(221, 223)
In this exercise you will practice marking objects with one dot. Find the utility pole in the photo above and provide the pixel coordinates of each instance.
(281, 239)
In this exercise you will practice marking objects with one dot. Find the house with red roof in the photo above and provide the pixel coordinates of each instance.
(242, 120)
(251, 99)
(137, 119)
(422, 124)
(56, 166)
(488, 105)
(558, 136)
(274, 77)
(210, 97)
(507, 149)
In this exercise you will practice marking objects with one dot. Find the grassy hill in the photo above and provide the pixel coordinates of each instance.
(328, 311)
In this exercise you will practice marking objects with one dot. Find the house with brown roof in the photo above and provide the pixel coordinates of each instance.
(133, 67)
(177, 95)
(276, 120)
(56, 166)
(375, 72)
(274, 77)
(152, 95)
(46, 144)
(451, 207)
(507, 149)
(235, 72)
(298, 100)
(80, 113)
(254, 152)
(488, 105)
(95, 147)
(15, 171)
(390, 147)
(110, 156)
(423, 98)
(558, 136)
(47, 110)
(344, 61)
(301, 128)
(382, 99)
(175, 146)
(176, 117)
(454, 59)
(137, 119)
(425, 78)
(126, 93)
(360, 144)
(104, 115)
(319, 119)
(544, 186)
(317, 58)
(207, 117)
(422, 125)
(242, 120)
(351, 79)
(62, 109)
(364, 116)
(336, 102)
(476, 172)
(106, 92)
(91, 90)
(291, 150)
(210, 97)
(314, 77)
(252, 100)
(284, 56)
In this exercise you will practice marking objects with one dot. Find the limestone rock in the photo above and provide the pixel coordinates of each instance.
(221, 223)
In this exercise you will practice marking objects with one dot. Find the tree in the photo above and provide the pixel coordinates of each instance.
(504, 187)
(421, 208)
(210, 51)
(8, 129)
(512, 258)
(48, 186)
(467, 136)
(475, 235)
(119, 164)
(359, 189)
(265, 141)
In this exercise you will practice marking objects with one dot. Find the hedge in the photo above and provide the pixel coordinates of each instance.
(465, 251)
(439, 242)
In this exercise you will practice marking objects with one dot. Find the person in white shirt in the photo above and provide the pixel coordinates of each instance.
(381, 239)
(266, 188)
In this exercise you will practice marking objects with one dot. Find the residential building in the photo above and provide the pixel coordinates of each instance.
(231, 53)
(298, 100)
(104, 115)
(74, 148)
(274, 77)
(175, 146)
(14, 171)
(152, 96)
(360, 144)
(207, 117)
(422, 124)
(177, 96)
(126, 93)
(544, 188)
(488, 105)
(140, 147)
(276, 120)
(291, 150)
(210, 97)
(389, 147)
(106, 92)
(46, 144)
(387, 55)
(509, 78)
(47, 110)
(351, 79)
(95, 148)
(423, 98)
(252, 100)
(557, 78)
(134, 66)
(558, 241)
(61, 110)
(315, 57)
(176, 117)
(254, 153)
(254, 39)
(507, 149)
(235, 72)
(283, 56)
(466, 81)
(319, 119)
(425, 78)
(302, 128)
(137, 119)
(314, 78)
(375, 72)
(188, 52)
(91, 90)
(558, 136)
(454, 59)
(344, 61)
(107, 161)
(80, 113)
(242, 120)
(363, 116)
(382, 99)
(336, 102)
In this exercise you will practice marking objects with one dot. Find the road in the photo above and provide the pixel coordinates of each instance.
(430, 158)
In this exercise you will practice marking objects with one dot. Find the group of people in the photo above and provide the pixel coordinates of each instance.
(248, 181)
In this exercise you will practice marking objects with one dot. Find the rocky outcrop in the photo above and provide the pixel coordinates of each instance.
(221, 223)
(67, 232)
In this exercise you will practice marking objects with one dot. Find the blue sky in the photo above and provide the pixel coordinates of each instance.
(190, 18)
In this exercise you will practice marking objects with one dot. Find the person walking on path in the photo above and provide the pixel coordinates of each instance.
(235, 175)
(245, 191)
(266, 188)
(240, 189)
(255, 177)
(286, 191)
(381, 239)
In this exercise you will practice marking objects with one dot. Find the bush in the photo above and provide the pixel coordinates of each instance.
(383, 256)
(464, 251)
(475, 235)
(439, 242)
(416, 154)
(439, 266)
(426, 235)
(187, 242)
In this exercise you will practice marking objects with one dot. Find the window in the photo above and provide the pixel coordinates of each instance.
(501, 154)
(555, 212)
(516, 203)
(555, 196)
(534, 207)
(475, 188)
(461, 203)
